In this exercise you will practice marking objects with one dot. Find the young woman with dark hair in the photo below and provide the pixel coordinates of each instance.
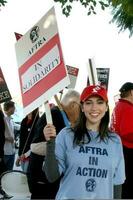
(88, 156)
(80, 129)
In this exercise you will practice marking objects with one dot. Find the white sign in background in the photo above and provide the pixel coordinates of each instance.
(73, 74)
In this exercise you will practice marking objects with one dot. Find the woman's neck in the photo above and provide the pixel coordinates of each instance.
(92, 127)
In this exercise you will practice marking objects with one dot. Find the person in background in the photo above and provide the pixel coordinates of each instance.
(2, 141)
(3, 194)
(10, 125)
(87, 156)
(122, 123)
(39, 186)
(26, 137)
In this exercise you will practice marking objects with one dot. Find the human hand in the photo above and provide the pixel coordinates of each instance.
(49, 131)
(22, 157)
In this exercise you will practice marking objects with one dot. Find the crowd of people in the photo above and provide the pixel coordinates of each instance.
(83, 154)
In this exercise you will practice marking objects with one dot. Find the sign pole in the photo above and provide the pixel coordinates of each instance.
(92, 73)
(58, 102)
(48, 113)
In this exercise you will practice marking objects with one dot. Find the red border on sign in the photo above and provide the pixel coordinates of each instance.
(50, 80)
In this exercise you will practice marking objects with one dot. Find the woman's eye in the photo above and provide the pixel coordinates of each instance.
(100, 102)
(88, 102)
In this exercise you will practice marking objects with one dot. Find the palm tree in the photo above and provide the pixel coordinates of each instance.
(123, 15)
(122, 10)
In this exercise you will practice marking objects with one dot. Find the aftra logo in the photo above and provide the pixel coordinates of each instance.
(34, 34)
(90, 185)
(95, 90)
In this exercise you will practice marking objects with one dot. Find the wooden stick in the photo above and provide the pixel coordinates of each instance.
(92, 72)
(58, 102)
(48, 113)
(61, 93)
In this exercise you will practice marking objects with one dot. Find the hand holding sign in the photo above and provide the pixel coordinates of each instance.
(48, 113)
(49, 132)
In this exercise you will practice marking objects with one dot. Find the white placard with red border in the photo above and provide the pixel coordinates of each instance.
(42, 71)
(73, 74)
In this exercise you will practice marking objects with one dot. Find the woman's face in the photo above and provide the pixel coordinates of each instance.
(94, 109)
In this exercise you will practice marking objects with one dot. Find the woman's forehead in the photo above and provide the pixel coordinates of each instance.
(95, 97)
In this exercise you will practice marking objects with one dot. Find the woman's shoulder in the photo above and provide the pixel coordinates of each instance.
(65, 132)
(115, 137)
(65, 137)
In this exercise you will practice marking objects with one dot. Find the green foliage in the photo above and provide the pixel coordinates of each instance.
(90, 5)
(122, 10)
(2, 2)
(123, 15)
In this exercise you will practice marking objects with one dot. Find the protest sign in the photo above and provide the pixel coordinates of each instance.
(18, 35)
(4, 91)
(73, 74)
(42, 71)
(103, 76)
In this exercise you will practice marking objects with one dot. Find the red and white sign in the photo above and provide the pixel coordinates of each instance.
(73, 74)
(42, 71)
(18, 35)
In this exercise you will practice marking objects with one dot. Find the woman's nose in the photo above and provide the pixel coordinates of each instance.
(94, 106)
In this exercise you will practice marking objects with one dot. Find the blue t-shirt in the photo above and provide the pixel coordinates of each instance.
(90, 170)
